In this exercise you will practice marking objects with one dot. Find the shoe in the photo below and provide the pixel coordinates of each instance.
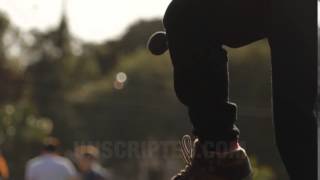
(210, 165)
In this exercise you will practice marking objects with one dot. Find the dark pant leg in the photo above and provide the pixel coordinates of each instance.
(294, 65)
(200, 73)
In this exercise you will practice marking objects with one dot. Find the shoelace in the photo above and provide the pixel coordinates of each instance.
(187, 147)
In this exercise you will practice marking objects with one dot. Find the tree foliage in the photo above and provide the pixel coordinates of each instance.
(71, 89)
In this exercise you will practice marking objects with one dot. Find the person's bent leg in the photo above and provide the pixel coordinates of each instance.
(201, 83)
(200, 75)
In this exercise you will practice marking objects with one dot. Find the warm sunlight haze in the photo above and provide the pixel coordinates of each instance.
(94, 20)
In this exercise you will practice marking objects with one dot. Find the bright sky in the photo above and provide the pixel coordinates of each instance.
(91, 20)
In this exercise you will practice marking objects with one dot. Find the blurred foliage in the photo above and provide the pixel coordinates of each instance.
(54, 84)
(20, 129)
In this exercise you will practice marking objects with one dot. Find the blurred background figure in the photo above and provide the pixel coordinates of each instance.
(89, 165)
(4, 171)
(49, 165)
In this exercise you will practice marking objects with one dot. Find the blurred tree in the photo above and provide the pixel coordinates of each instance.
(138, 34)
(134, 38)
(50, 76)
(4, 25)
(11, 82)
(61, 37)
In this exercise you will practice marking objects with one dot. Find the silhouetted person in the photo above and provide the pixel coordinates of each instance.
(89, 166)
(195, 33)
(49, 165)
